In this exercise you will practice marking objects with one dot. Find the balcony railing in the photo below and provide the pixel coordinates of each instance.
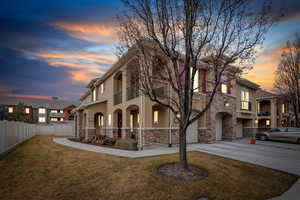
(266, 113)
(246, 106)
(118, 98)
(132, 92)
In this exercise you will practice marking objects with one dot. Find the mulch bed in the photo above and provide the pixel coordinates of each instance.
(100, 145)
(175, 171)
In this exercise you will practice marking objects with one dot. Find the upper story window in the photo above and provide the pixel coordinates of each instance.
(61, 111)
(102, 88)
(42, 110)
(27, 110)
(283, 108)
(10, 109)
(224, 88)
(196, 81)
(94, 97)
(245, 99)
(53, 111)
(155, 116)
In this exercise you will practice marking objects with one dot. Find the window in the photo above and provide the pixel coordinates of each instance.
(196, 81)
(138, 118)
(109, 119)
(102, 88)
(100, 120)
(61, 119)
(224, 88)
(10, 109)
(283, 108)
(94, 95)
(268, 122)
(53, 119)
(245, 99)
(42, 110)
(42, 119)
(293, 129)
(27, 110)
(131, 122)
(53, 111)
(258, 107)
(61, 111)
(155, 116)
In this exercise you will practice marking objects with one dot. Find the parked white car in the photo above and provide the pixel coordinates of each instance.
(280, 134)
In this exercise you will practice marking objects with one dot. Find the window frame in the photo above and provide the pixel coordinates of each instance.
(42, 110)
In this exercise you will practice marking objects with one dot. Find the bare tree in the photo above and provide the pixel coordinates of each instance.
(183, 33)
(288, 74)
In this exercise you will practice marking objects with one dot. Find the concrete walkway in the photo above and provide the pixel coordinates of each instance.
(283, 157)
(160, 150)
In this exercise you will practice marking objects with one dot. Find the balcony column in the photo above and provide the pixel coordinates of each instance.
(273, 113)
(90, 125)
(124, 85)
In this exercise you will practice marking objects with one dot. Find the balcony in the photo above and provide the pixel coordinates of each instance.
(132, 92)
(246, 106)
(264, 114)
(118, 98)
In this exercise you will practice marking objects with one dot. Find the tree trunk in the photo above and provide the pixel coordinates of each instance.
(182, 148)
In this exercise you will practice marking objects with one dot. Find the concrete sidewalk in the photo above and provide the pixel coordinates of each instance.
(117, 152)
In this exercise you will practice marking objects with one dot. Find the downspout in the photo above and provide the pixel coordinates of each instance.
(141, 120)
(170, 123)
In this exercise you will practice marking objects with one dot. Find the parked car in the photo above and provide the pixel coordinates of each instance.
(280, 134)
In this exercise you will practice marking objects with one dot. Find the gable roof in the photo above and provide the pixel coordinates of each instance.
(37, 103)
(247, 83)
(262, 94)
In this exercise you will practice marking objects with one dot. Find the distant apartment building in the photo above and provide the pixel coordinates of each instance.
(114, 106)
(40, 110)
(274, 111)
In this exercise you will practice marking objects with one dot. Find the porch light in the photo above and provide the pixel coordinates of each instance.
(227, 104)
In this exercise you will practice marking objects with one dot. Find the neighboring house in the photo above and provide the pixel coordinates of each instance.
(273, 111)
(68, 112)
(39, 110)
(113, 106)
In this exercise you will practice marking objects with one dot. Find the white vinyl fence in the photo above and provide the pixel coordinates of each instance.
(65, 129)
(14, 133)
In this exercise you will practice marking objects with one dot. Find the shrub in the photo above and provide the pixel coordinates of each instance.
(129, 144)
(109, 141)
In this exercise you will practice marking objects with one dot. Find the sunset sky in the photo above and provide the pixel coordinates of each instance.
(55, 47)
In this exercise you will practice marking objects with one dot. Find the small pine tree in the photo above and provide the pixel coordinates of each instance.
(21, 114)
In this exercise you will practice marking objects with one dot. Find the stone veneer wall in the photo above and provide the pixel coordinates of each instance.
(161, 136)
(218, 106)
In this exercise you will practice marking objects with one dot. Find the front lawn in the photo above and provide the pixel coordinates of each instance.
(41, 169)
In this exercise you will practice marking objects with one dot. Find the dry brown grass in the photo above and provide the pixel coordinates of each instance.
(41, 169)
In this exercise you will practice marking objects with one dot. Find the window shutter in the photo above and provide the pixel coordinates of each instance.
(203, 80)
(229, 85)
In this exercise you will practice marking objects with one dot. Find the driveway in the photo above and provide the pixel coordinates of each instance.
(276, 155)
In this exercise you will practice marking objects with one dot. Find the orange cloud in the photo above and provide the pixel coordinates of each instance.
(25, 96)
(88, 31)
(265, 67)
(93, 57)
(81, 76)
(89, 68)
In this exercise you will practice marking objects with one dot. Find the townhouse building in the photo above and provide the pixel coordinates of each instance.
(40, 110)
(274, 111)
(113, 106)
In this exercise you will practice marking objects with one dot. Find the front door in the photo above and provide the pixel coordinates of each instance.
(192, 133)
(219, 123)
(119, 125)
(239, 128)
